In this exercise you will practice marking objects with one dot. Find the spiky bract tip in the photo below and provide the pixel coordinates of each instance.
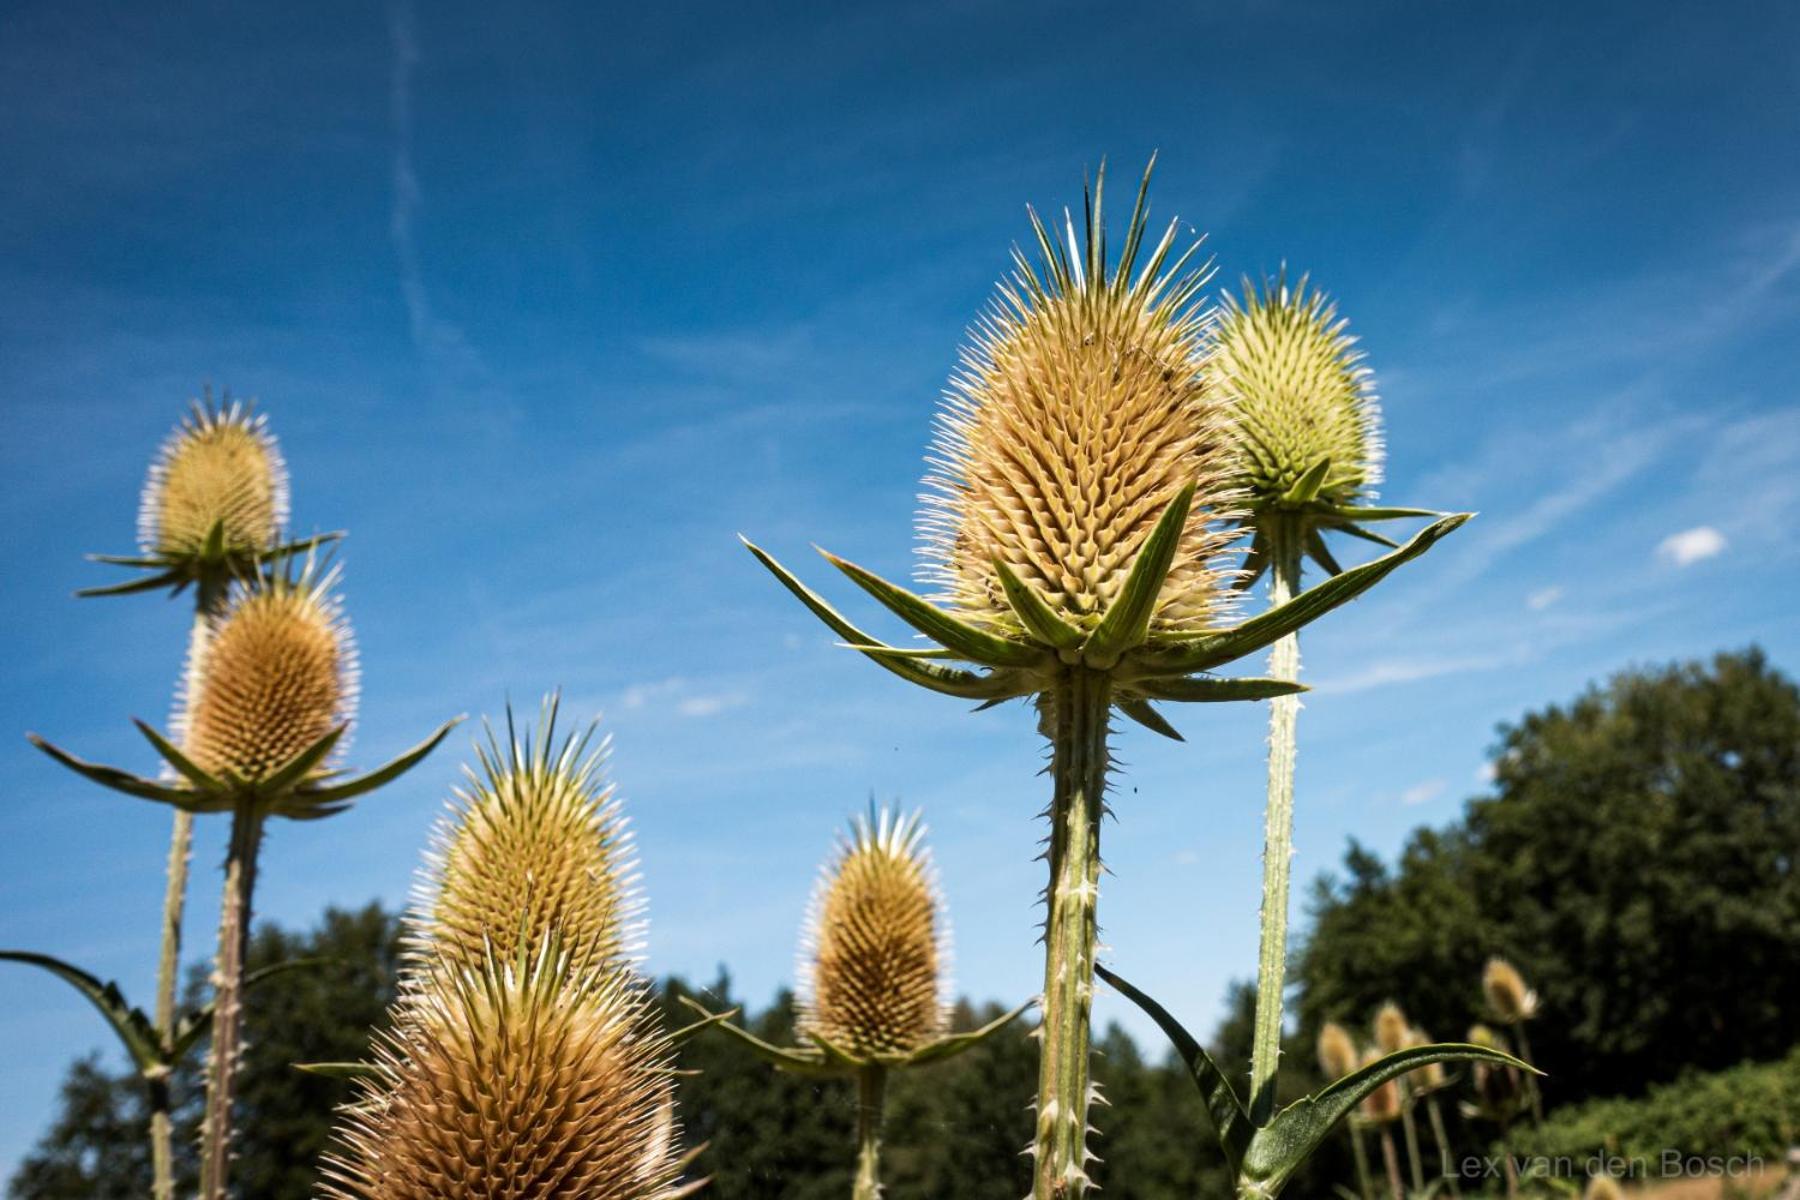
(220, 468)
(279, 673)
(1299, 393)
(873, 970)
(519, 1080)
(1507, 996)
(1079, 412)
(1337, 1051)
(535, 844)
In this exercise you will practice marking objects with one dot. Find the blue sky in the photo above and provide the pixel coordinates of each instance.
(546, 308)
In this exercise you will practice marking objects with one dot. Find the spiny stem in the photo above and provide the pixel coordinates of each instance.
(210, 591)
(1443, 1143)
(1364, 1186)
(1076, 716)
(1414, 1159)
(228, 1004)
(1278, 833)
(871, 1091)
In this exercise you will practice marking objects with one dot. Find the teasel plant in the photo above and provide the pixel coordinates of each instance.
(1423, 1085)
(1339, 1058)
(1499, 1095)
(1512, 1004)
(213, 508)
(1393, 1033)
(268, 709)
(1379, 1109)
(1081, 505)
(524, 1055)
(874, 993)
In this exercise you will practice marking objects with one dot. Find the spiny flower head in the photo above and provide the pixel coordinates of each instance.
(514, 1081)
(1301, 395)
(1078, 414)
(872, 967)
(1390, 1028)
(534, 844)
(1338, 1056)
(1383, 1104)
(1507, 995)
(279, 673)
(220, 468)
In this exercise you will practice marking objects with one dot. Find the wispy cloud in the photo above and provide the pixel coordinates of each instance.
(1388, 672)
(1424, 792)
(679, 695)
(1544, 597)
(1690, 546)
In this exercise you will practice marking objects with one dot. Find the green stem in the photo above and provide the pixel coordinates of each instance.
(1531, 1087)
(1076, 714)
(1364, 1185)
(1415, 1159)
(1443, 1143)
(871, 1091)
(210, 591)
(228, 1005)
(1278, 833)
(1391, 1156)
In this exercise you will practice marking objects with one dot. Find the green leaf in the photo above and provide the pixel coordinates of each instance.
(1208, 650)
(962, 638)
(332, 793)
(197, 775)
(1367, 535)
(804, 1062)
(1321, 553)
(149, 583)
(342, 1070)
(296, 769)
(1306, 488)
(1127, 621)
(687, 1031)
(132, 785)
(193, 1025)
(1035, 613)
(1350, 513)
(1277, 1150)
(155, 563)
(130, 1024)
(1203, 689)
(1145, 714)
(953, 1044)
(1230, 1123)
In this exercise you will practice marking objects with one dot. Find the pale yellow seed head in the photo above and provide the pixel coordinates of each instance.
(1337, 1051)
(512, 1082)
(1508, 998)
(219, 466)
(1390, 1028)
(535, 844)
(1383, 1104)
(873, 973)
(1079, 411)
(1603, 1187)
(1431, 1076)
(279, 672)
(1299, 392)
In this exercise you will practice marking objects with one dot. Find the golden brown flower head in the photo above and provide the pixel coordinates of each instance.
(219, 467)
(1383, 1104)
(518, 1081)
(872, 969)
(1300, 394)
(1079, 412)
(1509, 999)
(1337, 1051)
(1431, 1076)
(1390, 1028)
(278, 674)
(535, 844)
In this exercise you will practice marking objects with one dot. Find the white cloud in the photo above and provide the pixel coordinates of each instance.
(708, 706)
(1486, 773)
(1544, 597)
(1690, 546)
(1423, 792)
(677, 692)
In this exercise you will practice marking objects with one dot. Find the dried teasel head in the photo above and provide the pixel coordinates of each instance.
(1300, 393)
(279, 674)
(219, 469)
(1383, 1104)
(1080, 411)
(535, 844)
(1508, 998)
(1390, 1028)
(873, 969)
(522, 1080)
(1337, 1051)
(1432, 1076)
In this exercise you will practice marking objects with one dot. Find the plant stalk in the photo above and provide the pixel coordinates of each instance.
(1365, 1187)
(228, 1004)
(1531, 1087)
(210, 590)
(1392, 1157)
(1443, 1144)
(1278, 832)
(1076, 712)
(871, 1094)
(1415, 1160)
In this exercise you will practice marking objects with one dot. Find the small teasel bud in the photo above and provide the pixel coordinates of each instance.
(1509, 999)
(220, 468)
(1383, 1104)
(534, 844)
(1300, 394)
(873, 969)
(1338, 1055)
(279, 673)
(523, 1080)
(1079, 412)
(1390, 1028)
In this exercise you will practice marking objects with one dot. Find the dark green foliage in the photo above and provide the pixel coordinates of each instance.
(1636, 862)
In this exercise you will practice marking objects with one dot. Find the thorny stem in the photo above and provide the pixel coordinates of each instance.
(228, 1006)
(1278, 833)
(1076, 713)
(1365, 1188)
(1531, 1087)
(871, 1091)
(1443, 1144)
(1392, 1157)
(210, 591)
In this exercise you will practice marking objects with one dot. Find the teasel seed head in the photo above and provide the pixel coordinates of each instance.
(279, 673)
(1603, 1187)
(1338, 1055)
(1509, 999)
(219, 468)
(873, 959)
(535, 843)
(1498, 1088)
(1300, 395)
(1390, 1028)
(1432, 1076)
(529, 1079)
(1383, 1104)
(1079, 412)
